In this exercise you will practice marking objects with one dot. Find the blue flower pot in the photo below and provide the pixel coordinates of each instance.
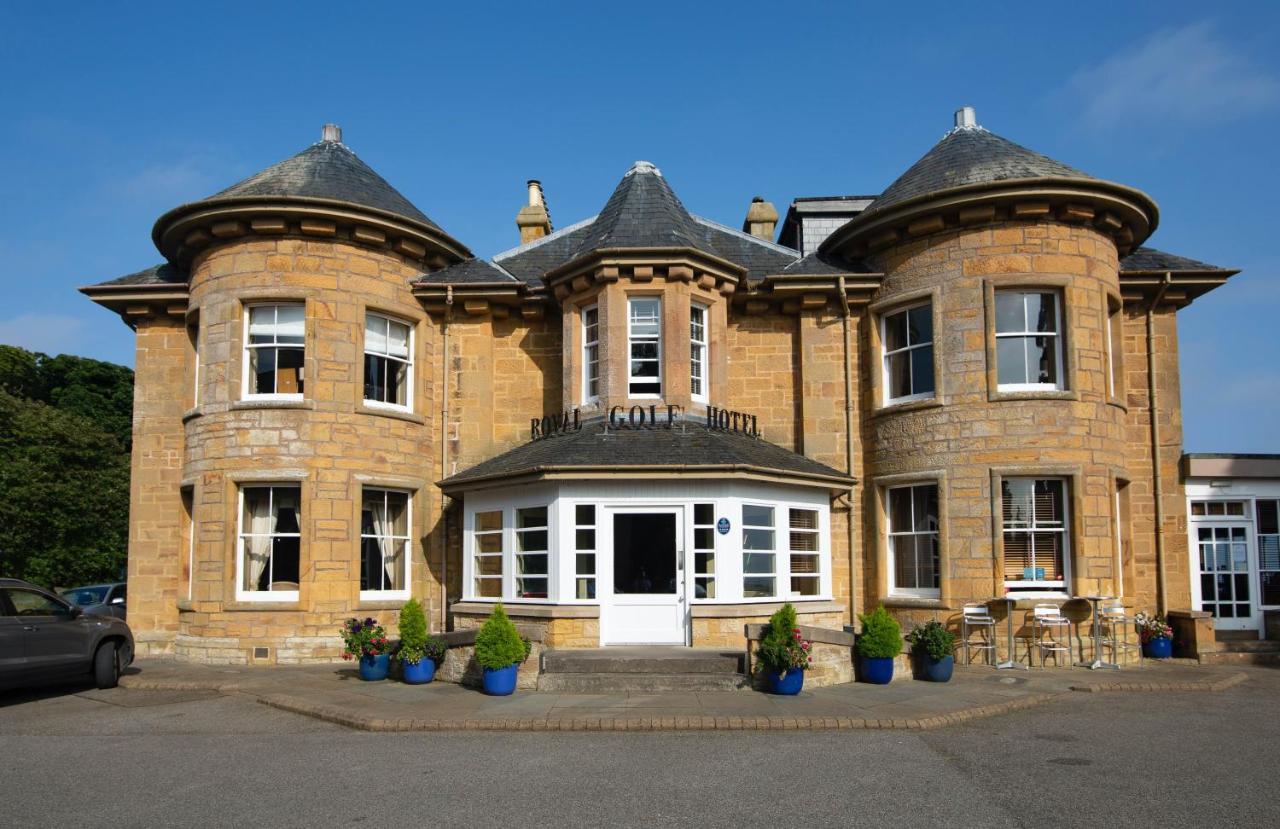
(1158, 649)
(500, 682)
(373, 668)
(786, 684)
(877, 670)
(934, 670)
(418, 673)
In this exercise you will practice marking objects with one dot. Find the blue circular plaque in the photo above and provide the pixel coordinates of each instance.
(722, 526)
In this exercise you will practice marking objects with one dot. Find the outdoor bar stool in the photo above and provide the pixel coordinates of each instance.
(1115, 633)
(1048, 619)
(978, 617)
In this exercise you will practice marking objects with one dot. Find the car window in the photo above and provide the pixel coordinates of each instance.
(86, 595)
(31, 603)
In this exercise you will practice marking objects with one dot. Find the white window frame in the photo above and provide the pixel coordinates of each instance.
(403, 540)
(892, 565)
(1047, 588)
(474, 575)
(699, 353)
(775, 573)
(632, 339)
(245, 383)
(709, 573)
(407, 362)
(907, 349)
(517, 553)
(594, 528)
(590, 357)
(815, 553)
(1059, 383)
(265, 595)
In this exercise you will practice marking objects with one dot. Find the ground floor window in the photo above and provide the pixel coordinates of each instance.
(805, 559)
(487, 539)
(1268, 551)
(704, 551)
(531, 553)
(913, 540)
(584, 544)
(384, 540)
(270, 540)
(1036, 535)
(758, 556)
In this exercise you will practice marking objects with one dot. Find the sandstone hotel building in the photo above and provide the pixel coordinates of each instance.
(647, 426)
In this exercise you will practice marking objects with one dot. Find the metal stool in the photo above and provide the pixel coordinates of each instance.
(978, 617)
(1048, 618)
(1114, 621)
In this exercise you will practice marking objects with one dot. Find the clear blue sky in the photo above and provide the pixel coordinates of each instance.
(112, 113)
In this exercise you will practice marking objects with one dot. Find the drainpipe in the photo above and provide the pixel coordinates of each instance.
(848, 447)
(444, 464)
(1153, 406)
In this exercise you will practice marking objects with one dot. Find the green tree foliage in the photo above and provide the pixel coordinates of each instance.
(64, 467)
(498, 643)
(881, 636)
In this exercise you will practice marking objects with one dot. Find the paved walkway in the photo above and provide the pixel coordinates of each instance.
(336, 694)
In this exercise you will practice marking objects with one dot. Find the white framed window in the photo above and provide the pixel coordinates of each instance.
(913, 540)
(1028, 341)
(385, 520)
(1267, 511)
(487, 553)
(270, 542)
(704, 551)
(1037, 540)
(274, 351)
(388, 362)
(806, 559)
(907, 335)
(584, 551)
(759, 552)
(590, 354)
(644, 341)
(531, 553)
(698, 359)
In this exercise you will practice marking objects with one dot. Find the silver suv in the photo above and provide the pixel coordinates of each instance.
(44, 637)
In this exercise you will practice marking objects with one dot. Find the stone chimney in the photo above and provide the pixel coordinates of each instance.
(762, 219)
(534, 220)
(331, 134)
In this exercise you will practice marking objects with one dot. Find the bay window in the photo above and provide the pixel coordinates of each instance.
(644, 341)
(1035, 534)
(388, 362)
(908, 354)
(590, 354)
(487, 551)
(531, 553)
(270, 540)
(1028, 342)
(584, 544)
(274, 351)
(384, 541)
(698, 352)
(913, 544)
(704, 551)
(806, 579)
(758, 552)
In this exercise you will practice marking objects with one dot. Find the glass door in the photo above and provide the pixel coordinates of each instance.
(643, 596)
(1225, 583)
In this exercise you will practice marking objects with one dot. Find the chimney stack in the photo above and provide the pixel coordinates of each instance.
(331, 134)
(762, 219)
(534, 220)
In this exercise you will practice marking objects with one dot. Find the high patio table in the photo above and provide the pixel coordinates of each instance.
(1009, 663)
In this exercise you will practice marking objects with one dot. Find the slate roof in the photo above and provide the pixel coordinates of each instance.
(530, 261)
(161, 274)
(642, 212)
(326, 170)
(1150, 259)
(682, 448)
(468, 271)
(819, 264)
(971, 155)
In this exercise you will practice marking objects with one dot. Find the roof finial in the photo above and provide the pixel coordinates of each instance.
(643, 167)
(331, 134)
(966, 119)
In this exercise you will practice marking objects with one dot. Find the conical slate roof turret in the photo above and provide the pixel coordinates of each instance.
(643, 212)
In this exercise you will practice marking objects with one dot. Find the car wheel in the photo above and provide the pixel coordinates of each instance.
(106, 665)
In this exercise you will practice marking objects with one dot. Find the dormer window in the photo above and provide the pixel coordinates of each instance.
(644, 340)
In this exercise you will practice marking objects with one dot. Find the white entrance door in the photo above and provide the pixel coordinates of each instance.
(643, 597)
(1226, 588)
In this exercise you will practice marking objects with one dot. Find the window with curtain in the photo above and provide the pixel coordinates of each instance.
(1028, 345)
(908, 354)
(759, 556)
(806, 573)
(384, 540)
(388, 362)
(1036, 535)
(698, 352)
(487, 551)
(584, 551)
(531, 553)
(644, 340)
(704, 551)
(913, 540)
(274, 350)
(590, 354)
(270, 539)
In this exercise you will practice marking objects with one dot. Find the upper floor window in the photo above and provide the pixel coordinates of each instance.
(698, 352)
(913, 540)
(1036, 536)
(270, 541)
(1028, 347)
(1115, 348)
(908, 353)
(590, 354)
(384, 541)
(388, 362)
(274, 350)
(644, 340)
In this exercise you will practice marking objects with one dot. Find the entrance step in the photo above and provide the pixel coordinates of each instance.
(1244, 652)
(641, 670)
(1235, 635)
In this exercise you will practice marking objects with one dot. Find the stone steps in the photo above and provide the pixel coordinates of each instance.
(1241, 651)
(641, 670)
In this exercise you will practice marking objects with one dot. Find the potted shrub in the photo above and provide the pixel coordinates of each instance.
(1156, 636)
(499, 651)
(418, 652)
(366, 641)
(784, 653)
(877, 645)
(931, 645)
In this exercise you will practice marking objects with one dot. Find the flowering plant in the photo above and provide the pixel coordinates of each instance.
(783, 648)
(364, 638)
(1152, 627)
